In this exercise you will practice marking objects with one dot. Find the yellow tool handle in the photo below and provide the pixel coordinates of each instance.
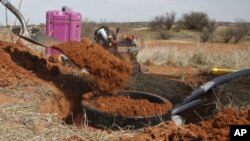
(218, 71)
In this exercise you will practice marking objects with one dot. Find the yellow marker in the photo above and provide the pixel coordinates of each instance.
(218, 71)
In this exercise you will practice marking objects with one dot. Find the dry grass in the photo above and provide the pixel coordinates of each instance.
(234, 94)
(22, 119)
(6, 36)
(198, 55)
(22, 122)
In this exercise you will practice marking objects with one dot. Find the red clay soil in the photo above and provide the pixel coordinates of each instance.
(109, 72)
(9, 70)
(126, 106)
(19, 64)
(19, 61)
(215, 129)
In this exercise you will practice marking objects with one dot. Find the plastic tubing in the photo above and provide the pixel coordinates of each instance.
(215, 82)
(181, 108)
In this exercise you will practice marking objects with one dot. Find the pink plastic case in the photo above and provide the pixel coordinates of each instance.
(64, 26)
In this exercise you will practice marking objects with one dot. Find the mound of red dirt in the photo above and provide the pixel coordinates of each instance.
(21, 65)
(10, 71)
(216, 128)
(109, 72)
(126, 106)
(19, 58)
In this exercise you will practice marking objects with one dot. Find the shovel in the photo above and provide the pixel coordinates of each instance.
(38, 38)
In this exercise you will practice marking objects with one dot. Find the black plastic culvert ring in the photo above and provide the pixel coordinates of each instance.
(105, 120)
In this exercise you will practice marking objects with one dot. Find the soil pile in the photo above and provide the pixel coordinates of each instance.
(20, 65)
(212, 129)
(108, 72)
(19, 58)
(126, 106)
(10, 71)
(218, 127)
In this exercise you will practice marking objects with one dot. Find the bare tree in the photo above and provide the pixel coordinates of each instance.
(241, 29)
(157, 22)
(235, 32)
(169, 20)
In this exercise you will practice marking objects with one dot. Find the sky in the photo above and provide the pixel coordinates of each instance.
(130, 10)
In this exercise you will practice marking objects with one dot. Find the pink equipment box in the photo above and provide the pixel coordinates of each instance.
(63, 25)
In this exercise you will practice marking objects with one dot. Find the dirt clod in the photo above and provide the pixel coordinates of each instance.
(87, 96)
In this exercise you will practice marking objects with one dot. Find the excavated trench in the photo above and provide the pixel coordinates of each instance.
(107, 73)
